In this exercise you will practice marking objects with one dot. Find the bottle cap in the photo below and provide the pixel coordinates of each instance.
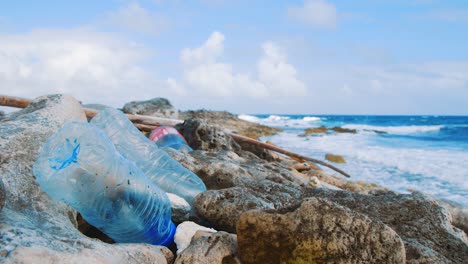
(161, 131)
(169, 238)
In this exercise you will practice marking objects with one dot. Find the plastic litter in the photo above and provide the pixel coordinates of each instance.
(161, 168)
(81, 167)
(165, 136)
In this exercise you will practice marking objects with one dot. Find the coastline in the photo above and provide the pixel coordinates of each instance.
(266, 207)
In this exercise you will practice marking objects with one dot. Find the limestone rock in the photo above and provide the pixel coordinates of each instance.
(231, 122)
(2, 194)
(217, 170)
(343, 130)
(180, 208)
(315, 130)
(224, 169)
(335, 158)
(34, 226)
(354, 186)
(202, 136)
(260, 152)
(185, 232)
(459, 215)
(160, 107)
(222, 208)
(218, 248)
(124, 253)
(421, 222)
(319, 231)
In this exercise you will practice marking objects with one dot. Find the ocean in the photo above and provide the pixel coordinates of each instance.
(424, 153)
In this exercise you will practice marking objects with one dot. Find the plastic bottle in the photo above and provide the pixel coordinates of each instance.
(165, 136)
(79, 165)
(161, 168)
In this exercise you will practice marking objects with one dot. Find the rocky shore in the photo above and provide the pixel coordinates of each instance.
(264, 208)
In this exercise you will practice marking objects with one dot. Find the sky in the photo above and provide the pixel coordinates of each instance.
(246, 57)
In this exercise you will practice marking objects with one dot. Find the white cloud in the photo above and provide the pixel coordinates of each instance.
(274, 72)
(206, 75)
(317, 13)
(92, 66)
(173, 85)
(207, 53)
(135, 18)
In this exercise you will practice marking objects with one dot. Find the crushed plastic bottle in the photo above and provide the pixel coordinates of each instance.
(161, 168)
(165, 136)
(80, 166)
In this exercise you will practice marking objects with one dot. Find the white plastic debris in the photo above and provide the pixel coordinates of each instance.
(178, 202)
(185, 232)
(314, 181)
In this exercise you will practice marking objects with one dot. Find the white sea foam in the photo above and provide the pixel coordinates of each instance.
(282, 121)
(249, 118)
(395, 129)
(440, 172)
(311, 118)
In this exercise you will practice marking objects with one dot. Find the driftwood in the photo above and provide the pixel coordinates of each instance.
(285, 152)
(148, 123)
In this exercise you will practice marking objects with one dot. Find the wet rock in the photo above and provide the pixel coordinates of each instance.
(343, 130)
(375, 131)
(421, 222)
(335, 158)
(2, 194)
(217, 248)
(202, 136)
(160, 107)
(231, 122)
(315, 130)
(34, 226)
(319, 231)
(222, 208)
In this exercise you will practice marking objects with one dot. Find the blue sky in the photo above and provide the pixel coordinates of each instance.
(292, 57)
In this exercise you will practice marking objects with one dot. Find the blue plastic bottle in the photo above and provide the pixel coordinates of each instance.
(165, 136)
(79, 165)
(161, 168)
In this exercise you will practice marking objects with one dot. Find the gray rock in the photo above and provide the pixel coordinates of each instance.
(210, 134)
(2, 194)
(180, 208)
(459, 214)
(231, 122)
(201, 136)
(217, 170)
(421, 222)
(219, 247)
(319, 231)
(224, 169)
(160, 107)
(222, 208)
(34, 226)
(259, 151)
